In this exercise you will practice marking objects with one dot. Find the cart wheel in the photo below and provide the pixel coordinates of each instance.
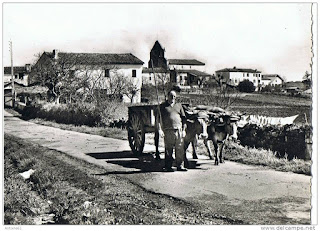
(136, 134)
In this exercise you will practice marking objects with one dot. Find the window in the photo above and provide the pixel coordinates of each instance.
(150, 78)
(106, 73)
(134, 73)
(243, 74)
(20, 75)
(247, 74)
(15, 76)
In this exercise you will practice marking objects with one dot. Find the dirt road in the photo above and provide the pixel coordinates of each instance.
(249, 194)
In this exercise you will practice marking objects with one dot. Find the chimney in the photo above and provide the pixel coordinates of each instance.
(55, 53)
(28, 67)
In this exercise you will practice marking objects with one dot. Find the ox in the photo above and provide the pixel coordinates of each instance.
(197, 126)
(221, 126)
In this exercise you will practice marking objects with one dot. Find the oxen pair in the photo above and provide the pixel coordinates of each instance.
(220, 124)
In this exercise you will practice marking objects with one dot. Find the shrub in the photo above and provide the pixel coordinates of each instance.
(78, 113)
(111, 111)
(148, 93)
(267, 88)
(246, 86)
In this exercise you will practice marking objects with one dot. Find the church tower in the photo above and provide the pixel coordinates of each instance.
(157, 56)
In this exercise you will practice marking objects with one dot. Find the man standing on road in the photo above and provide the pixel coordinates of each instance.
(173, 128)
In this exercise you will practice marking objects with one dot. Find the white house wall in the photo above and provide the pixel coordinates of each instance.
(24, 81)
(276, 81)
(148, 78)
(187, 67)
(182, 79)
(6, 78)
(121, 70)
(236, 77)
(265, 82)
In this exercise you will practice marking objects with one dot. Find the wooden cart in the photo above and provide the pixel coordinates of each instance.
(142, 119)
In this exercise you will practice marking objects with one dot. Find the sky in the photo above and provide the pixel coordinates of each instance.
(274, 38)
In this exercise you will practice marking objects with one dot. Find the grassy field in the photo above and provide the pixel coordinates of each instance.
(262, 104)
(64, 190)
(257, 99)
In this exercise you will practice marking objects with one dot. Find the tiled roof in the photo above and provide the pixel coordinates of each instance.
(267, 78)
(239, 70)
(185, 62)
(270, 77)
(193, 72)
(16, 70)
(97, 58)
(156, 70)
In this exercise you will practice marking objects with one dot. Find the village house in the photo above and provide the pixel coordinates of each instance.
(187, 72)
(102, 67)
(233, 76)
(182, 72)
(271, 80)
(21, 80)
(20, 74)
(295, 87)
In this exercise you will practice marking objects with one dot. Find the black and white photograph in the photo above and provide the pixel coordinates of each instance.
(117, 114)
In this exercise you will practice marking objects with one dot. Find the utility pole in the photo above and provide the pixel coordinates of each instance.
(12, 75)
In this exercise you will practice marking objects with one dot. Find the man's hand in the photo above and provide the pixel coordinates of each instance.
(161, 133)
(184, 129)
(183, 134)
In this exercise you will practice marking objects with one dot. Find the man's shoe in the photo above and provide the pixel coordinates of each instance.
(168, 170)
(182, 169)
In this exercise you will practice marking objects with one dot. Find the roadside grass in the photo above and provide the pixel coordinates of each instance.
(253, 156)
(65, 190)
(116, 133)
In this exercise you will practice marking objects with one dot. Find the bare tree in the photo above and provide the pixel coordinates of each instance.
(306, 79)
(162, 82)
(130, 89)
(57, 75)
(220, 93)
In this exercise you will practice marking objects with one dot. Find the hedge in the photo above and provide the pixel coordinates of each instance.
(289, 141)
(77, 114)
